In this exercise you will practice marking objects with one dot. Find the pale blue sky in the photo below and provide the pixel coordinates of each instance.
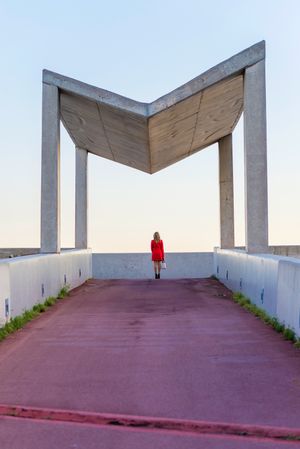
(142, 50)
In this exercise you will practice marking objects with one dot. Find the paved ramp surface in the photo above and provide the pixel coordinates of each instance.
(149, 364)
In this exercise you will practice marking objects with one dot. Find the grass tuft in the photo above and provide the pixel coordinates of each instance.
(288, 333)
(19, 321)
(214, 277)
(64, 291)
(50, 301)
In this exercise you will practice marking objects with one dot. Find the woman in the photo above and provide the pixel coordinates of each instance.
(158, 255)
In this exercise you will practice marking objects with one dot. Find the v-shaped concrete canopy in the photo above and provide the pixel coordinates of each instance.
(152, 136)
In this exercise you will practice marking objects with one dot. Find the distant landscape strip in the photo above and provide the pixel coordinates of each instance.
(142, 422)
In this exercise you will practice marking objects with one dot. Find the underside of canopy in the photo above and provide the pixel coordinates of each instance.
(150, 137)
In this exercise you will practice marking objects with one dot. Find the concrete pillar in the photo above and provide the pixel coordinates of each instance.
(226, 192)
(50, 186)
(81, 199)
(255, 140)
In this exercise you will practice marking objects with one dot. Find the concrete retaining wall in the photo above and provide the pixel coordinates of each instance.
(25, 281)
(139, 266)
(277, 250)
(271, 282)
(7, 253)
(288, 297)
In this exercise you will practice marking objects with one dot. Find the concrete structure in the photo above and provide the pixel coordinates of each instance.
(150, 137)
(269, 281)
(256, 199)
(226, 192)
(27, 280)
(50, 189)
(81, 201)
(139, 266)
(279, 250)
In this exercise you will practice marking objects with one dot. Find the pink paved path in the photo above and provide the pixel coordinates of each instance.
(180, 350)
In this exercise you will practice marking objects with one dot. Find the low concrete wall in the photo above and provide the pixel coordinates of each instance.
(139, 266)
(271, 282)
(288, 296)
(280, 250)
(17, 252)
(286, 250)
(27, 280)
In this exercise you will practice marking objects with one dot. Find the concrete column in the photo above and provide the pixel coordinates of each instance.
(226, 192)
(81, 199)
(50, 186)
(255, 140)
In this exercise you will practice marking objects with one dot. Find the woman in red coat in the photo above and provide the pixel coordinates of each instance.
(158, 255)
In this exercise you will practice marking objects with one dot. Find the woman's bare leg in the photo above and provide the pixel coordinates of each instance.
(158, 267)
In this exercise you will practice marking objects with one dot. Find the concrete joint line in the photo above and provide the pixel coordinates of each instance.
(104, 130)
(288, 435)
(197, 119)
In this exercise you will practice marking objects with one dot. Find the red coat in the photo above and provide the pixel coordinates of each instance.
(157, 249)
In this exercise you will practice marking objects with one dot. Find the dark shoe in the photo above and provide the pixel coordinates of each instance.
(158, 276)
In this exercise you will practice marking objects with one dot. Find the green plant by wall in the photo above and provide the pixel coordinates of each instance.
(19, 321)
(64, 291)
(288, 333)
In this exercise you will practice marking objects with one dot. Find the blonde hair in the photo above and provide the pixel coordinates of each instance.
(156, 236)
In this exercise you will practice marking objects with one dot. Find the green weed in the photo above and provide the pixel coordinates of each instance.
(288, 334)
(64, 291)
(19, 321)
(50, 301)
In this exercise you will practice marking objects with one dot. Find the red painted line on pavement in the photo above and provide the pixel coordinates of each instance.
(142, 422)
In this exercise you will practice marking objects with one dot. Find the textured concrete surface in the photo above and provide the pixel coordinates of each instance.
(255, 146)
(271, 282)
(226, 192)
(279, 250)
(140, 266)
(160, 349)
(285, 250)
(150, 137)
(6, 253)
(81, 199)
(26, 280)
(50, 185)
